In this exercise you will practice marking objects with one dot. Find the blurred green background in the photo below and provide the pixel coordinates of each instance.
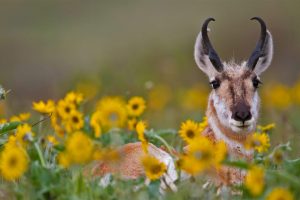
(139, 47)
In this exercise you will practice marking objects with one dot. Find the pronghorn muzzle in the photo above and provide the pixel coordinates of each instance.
(241, 112)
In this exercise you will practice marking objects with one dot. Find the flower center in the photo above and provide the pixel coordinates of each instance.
(278, 157)
(67, 109)
(155, 169)
(202, 155)
(75, 119)
(135, 106)
(12, 161)
(190, 134)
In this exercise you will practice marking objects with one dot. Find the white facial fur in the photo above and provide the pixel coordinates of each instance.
(224, 114)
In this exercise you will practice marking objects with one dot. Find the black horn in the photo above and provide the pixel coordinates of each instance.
(258, 51)
(212, 54)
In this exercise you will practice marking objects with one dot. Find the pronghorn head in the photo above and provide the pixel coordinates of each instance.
(234, 95)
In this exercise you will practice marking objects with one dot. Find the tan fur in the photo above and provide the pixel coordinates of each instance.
(129, 166)
(239, 79)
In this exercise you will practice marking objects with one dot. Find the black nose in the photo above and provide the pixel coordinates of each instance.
(242, 115)
(241, 112)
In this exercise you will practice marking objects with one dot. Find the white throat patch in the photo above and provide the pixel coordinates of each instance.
(231, 143)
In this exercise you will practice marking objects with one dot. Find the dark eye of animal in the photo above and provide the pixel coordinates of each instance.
(256, 82)
(215, 84)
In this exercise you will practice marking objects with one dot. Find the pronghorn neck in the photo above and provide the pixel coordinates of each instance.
(234, 141)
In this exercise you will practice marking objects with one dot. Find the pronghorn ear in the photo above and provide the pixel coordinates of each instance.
(265, 59)
(202, 58)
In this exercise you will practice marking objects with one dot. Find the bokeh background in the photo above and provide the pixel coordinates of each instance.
(145, 48)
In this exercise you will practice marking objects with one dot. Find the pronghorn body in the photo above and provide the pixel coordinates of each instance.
(130, 166)
(232, 110)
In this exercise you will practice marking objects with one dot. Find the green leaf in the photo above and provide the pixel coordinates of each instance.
(59, 147)
(153, 187)
(166, 132)
(9, 127)
(238, 164)
(294, 162)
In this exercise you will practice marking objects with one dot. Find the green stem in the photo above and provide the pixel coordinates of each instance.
(238, 164)
(40, 125)
(169, 148)
(166, 132)
(38, 149)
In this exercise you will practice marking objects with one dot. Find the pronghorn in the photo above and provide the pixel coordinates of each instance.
(232, 109)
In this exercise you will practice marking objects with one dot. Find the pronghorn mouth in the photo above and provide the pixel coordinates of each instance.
(244, 126)
(238, 126)
(241, 125)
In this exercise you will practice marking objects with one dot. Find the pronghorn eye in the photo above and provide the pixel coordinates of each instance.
(215, 84)
(256, 82)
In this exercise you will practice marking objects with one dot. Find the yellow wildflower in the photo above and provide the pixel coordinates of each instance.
(154, 169)
(95, 124)
(14, 119)
(258, 141)
(204, 123)
(74, 121)
(159, 97)
(277, 156)
(132, 124)
(13, 163)
(24, 116)
(278, 96)
(74, 97)
(296, 93)
(113, 112)
(88, 89)
(255, 182)
(140, 129)
(136, 106)
(266, 128)
(44, 107)
(57, 128)
(79, 148)
(51, 140)
(24, 134)
(64, 160)
(195, 98)
(280, 194)
(189, 130)
(3, 121)
(202, 154)
(20, 118)
(11, 142)
(64, 108)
